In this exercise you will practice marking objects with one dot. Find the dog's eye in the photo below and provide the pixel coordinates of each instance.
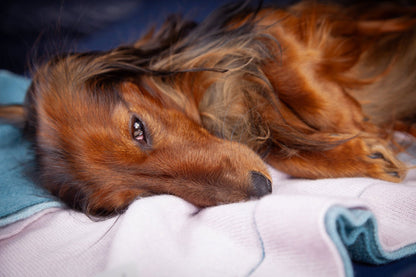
(137, 130)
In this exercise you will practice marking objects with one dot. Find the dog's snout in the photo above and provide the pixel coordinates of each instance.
(261, 184)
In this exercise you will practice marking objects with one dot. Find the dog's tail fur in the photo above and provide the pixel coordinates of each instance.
(388, 64)
(392, 65)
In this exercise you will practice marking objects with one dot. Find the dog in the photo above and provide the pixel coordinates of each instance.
(198, 110)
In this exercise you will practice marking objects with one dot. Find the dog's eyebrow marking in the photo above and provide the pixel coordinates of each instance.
(125, 104)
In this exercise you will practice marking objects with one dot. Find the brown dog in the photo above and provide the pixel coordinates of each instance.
(196, 110)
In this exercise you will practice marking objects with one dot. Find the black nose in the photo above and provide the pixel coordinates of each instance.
(261, 184)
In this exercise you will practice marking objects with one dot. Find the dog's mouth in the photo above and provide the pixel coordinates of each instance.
(229, 176)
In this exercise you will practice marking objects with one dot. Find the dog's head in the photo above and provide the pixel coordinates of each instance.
(109, 127)
(104, 138)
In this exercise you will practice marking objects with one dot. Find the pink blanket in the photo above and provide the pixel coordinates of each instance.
(305, 228)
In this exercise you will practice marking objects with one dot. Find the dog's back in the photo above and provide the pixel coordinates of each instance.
(343, 74)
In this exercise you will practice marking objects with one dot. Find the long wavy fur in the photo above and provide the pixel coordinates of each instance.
(301, 87)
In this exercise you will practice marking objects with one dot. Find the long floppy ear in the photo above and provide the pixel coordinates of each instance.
(13, 114)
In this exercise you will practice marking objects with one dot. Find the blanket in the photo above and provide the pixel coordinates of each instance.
(305, 228)
(19, 197)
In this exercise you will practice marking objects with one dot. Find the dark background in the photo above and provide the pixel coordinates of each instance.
(31, 31)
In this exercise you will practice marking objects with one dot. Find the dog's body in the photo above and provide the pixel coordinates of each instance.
(314, 90)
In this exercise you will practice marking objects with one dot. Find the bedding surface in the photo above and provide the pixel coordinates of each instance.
(19, 197)
(305, 228)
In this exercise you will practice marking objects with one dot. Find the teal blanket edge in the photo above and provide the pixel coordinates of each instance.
(19, 197)
(353, 231)
(355, 234)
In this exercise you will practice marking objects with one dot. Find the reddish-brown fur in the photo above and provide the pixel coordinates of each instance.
(313, 90)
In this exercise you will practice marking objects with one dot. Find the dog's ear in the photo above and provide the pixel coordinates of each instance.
(13, 114)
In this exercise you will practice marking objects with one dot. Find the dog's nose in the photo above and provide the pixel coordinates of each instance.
(261, 184)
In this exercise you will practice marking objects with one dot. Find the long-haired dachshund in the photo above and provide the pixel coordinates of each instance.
(197, 110)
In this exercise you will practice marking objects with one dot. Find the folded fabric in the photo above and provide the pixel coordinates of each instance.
(19, 197)
(306, 228)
